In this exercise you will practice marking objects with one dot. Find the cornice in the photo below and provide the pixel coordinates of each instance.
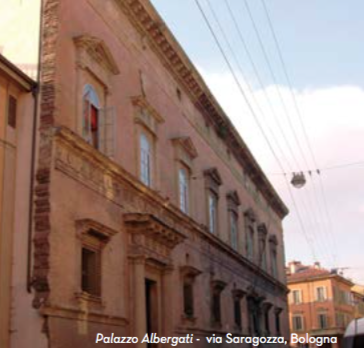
(146, 19)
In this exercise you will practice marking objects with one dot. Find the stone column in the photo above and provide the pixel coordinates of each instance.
(139, 300)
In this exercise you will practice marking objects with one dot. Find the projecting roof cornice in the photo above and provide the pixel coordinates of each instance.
(146, 19)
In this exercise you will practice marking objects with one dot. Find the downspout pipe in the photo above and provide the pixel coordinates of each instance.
(36, 94)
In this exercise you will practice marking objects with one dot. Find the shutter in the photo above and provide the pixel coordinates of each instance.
(107, 126)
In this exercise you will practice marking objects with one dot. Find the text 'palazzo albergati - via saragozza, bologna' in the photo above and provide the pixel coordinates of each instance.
(229, 338)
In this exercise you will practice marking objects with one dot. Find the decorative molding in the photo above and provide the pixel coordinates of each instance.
(250, 215)
(213, 178)
(233, 198)
(190, 271)
(262, 230)
(94, 229)
(98, 50)
(187, 145)
(273, 239)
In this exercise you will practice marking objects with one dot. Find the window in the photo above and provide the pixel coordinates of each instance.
(266, 322)
(91, 113)
(321, 294)
(262, 235)
(296, 296)
(273, 242)
(322, 321)
(250, 243)
(184, 189)
(12, 111)
(297, 323)
(212, 184)
(145, 160)
(188, 306)
(94, 237)
(234, 230)
(233, 203)
(277, 320)
(217, 288)
(237, 312)
(189, 275)
(213, 201)
(91, 272)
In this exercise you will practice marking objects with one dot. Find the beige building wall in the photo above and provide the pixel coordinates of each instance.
(15, 161)
(19, 33)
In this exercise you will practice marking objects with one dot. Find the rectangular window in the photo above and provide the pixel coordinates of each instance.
(274, 263)
(297, 323)
(296, 296)
(145, 160)
(184, 190)
(216, 307)
(237, 312)
(278, 323)
(322, 321)
(250, 243)
(234, 230)
(263, 254)
(320, 294)
(91, 272)
(12, 111)
(212, 212)
(188, 298)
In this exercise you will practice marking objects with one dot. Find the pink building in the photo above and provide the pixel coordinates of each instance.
(151, 214)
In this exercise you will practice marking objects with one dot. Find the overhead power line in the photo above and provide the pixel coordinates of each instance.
(242, 92)
(304, 130)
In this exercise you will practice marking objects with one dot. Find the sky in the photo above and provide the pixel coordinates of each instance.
(323, 54)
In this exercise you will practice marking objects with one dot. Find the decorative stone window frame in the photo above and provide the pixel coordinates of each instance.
(188, 275)
(238, 295)
(273, 251)
(277, 314)
(95, 65)
(249, 226)
(212, 183)
(233, 203)
(216, 287)
(266, 308)
(184, 153)
(94, 237)
(147, 121)
(262, 245)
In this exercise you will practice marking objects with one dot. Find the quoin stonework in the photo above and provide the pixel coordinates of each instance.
(150, 214)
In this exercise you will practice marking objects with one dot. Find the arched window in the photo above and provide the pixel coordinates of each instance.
(91, 113)
(184, 190)
(145, 160)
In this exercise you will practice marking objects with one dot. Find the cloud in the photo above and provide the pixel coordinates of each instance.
(334, 119)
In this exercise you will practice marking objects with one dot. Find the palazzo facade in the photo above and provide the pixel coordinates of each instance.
(151, 214)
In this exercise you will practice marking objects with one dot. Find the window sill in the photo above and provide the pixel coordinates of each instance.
(92, 299)
(188, 320)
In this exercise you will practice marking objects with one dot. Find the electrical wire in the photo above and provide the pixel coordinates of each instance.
(304, 130)
(227, 61)
(241, 71)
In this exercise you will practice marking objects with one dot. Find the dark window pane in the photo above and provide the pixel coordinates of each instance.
(237, 312)
(188, 299)
(91, 275)
(12, 112)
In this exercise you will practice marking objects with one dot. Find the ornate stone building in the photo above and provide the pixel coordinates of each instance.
(151, 214)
